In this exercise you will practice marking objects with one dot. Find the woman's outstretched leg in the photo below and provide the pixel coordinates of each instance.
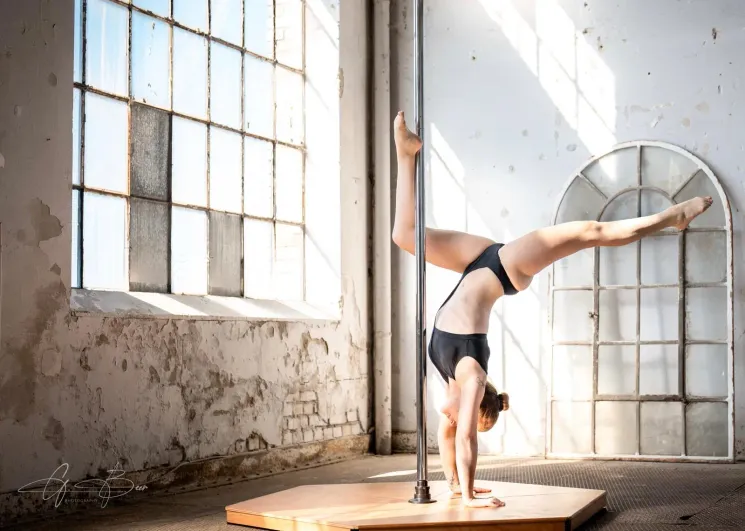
(528, 255)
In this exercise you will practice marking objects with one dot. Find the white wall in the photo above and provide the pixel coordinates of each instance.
(518, 94)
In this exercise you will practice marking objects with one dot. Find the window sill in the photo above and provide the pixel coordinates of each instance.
(85, 302)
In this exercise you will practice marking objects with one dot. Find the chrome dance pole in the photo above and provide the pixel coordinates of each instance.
(421, 494)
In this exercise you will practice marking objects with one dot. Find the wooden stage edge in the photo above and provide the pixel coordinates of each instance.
(385, 507)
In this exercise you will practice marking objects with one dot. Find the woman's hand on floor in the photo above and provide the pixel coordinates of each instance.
(483, 503)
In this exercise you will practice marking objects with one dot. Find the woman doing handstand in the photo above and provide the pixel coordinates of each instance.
(458, 346)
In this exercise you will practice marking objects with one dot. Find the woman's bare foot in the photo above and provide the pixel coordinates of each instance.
(686, 211)
(483, 503)
(407, 143)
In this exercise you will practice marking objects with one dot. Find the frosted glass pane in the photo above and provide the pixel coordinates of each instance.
(658, 370)
(576, 270)
(289, 106)
(701, 185)
(107, 42)
(106, 145)
(616, 370)
(615, 171)
(192, 13)
(617, 315)
(659, 314)
(148, 246)
(706, 256)
(258, 105)
(572, 373)
(665, 169)
(660, 262)
(707, 368)
(653, 203)
(580, 203)
(288, 267)
(707, 429)
(75, 229)
(662, 428)
(225, 93)
(573, 320)
(706, 313)
(76, 101)
(289, 21)
(225, 254)
(148, 173)
(227, 20)
(624, 206)
(189, 73)
(151, 60)
(188, 251)
(159, 7)
(189, 178)
(572, 427)
(258, 195)
(77, 68)
(259, 33)
(618, 265)
(615, 428)
(225, 170)
(104, 242)
(258, 261)
(289, 192)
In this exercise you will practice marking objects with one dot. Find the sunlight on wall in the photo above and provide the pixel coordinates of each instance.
(447, 175)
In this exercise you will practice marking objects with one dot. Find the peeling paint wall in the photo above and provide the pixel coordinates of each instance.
(95, 390)
(518, 94)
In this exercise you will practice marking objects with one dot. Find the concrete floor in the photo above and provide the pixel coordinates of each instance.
(641, 496)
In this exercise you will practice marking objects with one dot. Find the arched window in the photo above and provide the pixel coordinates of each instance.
(642, 362)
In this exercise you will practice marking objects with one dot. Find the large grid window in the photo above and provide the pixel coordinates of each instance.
(188, 158)
(642, 334)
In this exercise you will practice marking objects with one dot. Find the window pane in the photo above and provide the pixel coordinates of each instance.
(580, 203)
(159, 7)
(258, 194)
(659, 314)
(616, 370)
(624, 206)
(225, 95)
(706, 256)
(76, 100)
(148, 246)
(151, 60)
(104, 242)
(75, 228)
(707, 427)
(189, 73)
(289, 184)
(572, 427)
(653, 203)
(572, 373)
(615, 428)
(288, 269)
(658, 370)
(77, 71)
(665, 169)
(259, 97)
(707, 367)
(289, 106)
(662, 428)
(189, 162)
(701, 185)
(107, 37)
(260, 27)
(225, 170)
(706, 313)
(227, 20)
(188, 251)
(617, 315)
(106, 143)
(660, 262)
(576, 270)
(192, 13)
(573, 319)
(615, 171)
(618, 265)
(289, 20)
(150, 146)
(225, 254)
(258, 261)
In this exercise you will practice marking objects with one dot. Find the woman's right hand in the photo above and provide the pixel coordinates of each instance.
(483, 503)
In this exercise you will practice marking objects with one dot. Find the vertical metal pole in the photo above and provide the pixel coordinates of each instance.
(421, 494)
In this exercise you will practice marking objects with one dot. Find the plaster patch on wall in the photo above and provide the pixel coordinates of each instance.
(45, 224)
(2, 161)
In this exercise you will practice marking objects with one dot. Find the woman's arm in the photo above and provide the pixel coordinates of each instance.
(446, 444)
(466, 444)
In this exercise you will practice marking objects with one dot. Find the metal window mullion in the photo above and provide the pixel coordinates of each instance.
(209, 135)
(638, 303)
(81, 162)
(303, 142)
(169, 274)
(682, 335)
(128, 206)
(243, 155)
(595, 344)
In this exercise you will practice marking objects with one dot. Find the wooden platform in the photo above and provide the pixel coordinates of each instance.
(385, 507)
